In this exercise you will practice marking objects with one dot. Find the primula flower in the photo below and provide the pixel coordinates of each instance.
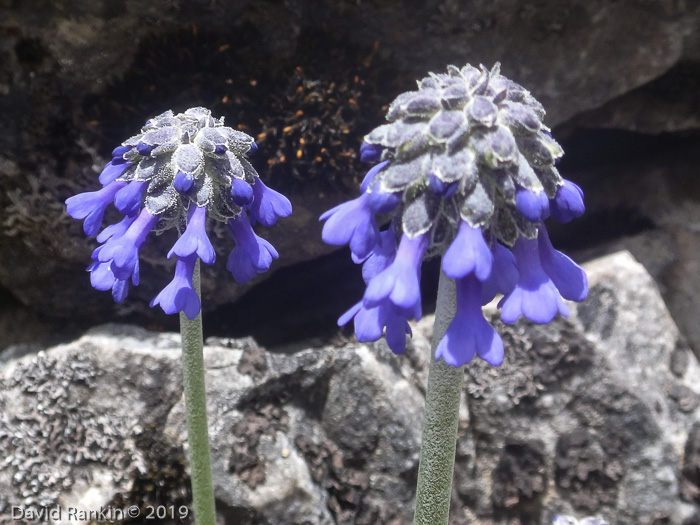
(370, 321)
(469, 334)
(466, 170)
(179, 170)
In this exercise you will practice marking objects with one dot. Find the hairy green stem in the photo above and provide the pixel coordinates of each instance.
(196, 409)
(439, 444)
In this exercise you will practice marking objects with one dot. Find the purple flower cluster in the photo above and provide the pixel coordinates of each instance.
(176, 172)
(465, 169)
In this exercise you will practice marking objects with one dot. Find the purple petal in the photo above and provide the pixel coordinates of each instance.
(120, 290)
(535, 295)
(195, 239)
(568, 202)
(370, 152)
(534, 206)
(116, 230)
(370, 324)
(119, 151)
(350, 314)
(241, 192)
(252, 254)
(268, 205)
(144, 149)
(445, 190)
(567, 276)
(352, 223)
(183, 182)
(180, 295)
(469, 334)
(101, 277)
(381, 257)
(383, 202)
(128, 200)
(123, 251)
(468, 253)
(91, 206)
(400, 281)
(369, 177)
(504, 274)
(112, 171)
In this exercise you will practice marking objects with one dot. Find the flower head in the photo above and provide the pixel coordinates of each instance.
(179, 170)
(466, 169)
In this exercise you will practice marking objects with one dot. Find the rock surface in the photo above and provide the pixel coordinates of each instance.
(76, 78)
(595, 414)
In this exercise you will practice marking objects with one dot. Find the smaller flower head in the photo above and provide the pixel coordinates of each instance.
(177, 172)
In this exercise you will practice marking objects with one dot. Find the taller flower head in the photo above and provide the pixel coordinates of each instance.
(466, 170)
(179, 170)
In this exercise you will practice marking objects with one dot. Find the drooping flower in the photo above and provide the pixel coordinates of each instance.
(371, 321)
(469, 334)
(535, 296)
(466, 169)
(252, 254)
(179, 170)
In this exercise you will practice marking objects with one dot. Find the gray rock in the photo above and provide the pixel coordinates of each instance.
(665, 105)
(596, 414)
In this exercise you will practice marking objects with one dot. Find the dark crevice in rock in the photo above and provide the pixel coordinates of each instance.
(519, 481)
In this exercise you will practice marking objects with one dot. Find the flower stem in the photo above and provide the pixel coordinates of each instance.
(439, 443)
(196, 409)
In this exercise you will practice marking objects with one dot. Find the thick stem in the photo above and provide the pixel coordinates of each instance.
(196, 409)
(439, 444)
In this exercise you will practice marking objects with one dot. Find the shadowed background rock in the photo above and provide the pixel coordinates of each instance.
(308, 82)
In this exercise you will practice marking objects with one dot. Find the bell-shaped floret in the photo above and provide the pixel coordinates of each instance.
(268, 205)
(129, 199)
(370, 324)
(400, 281)
(252, 254)
(567, 276)
(352, 223)
(123, 251)
(468, 253)
(180, 295)
(535, 296)
(469, 334)
(102, 278)
(183, 182)
(91, 205)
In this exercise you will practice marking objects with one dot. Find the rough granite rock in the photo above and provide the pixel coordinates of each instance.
(307, 80)
(592, 415)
